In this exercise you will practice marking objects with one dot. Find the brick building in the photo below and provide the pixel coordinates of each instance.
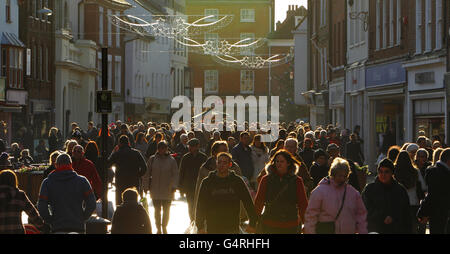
(36, 30)
(252, 19)
(319, 34)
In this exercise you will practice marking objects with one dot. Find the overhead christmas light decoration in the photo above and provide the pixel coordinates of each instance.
(255, 61)
(170, 26)
(221, 48)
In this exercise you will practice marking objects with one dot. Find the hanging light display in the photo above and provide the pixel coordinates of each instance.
(170, 26)
(220, 48)
(255, 61)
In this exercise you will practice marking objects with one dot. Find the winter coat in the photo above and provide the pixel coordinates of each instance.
(437, 202)
(383, 200)
(242, 155)
(259, 158)
(71, 200)
(110, 141)
(307, 156)
(86, 168)
(163, 175)
(219, 204)
(288, 210)
(324, 205)
(189, 168)
(318, 173)
(12, 202)
(53, 143)
(151, 149)
(130, 166)
(130, 218)
(354, 152)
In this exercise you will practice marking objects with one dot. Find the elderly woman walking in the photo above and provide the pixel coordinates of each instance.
(334, 206)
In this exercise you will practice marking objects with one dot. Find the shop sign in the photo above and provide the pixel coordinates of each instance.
(388, 74)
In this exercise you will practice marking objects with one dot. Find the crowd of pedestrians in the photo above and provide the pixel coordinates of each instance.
(310, 181)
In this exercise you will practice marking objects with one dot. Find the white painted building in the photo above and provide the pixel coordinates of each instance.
(75, 69)
(301, 67)
(357, 55)
(13, 96)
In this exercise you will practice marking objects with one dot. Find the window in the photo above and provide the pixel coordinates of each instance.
(117, 33)
(4, 62)
(209, 12)
(439, 22)
(385, 23)
(418, 26)
(399, 21)
(247, 81)
(248, 50)
(213, 37)
(247, 15)
(323, 13)
(40, 60)
(33, 55)
(109, 31)
(8, 11)
(377, 36)
(211, 81)
(109, 72)
(118, 74)
(428, 24)
(391, 23)
(100, 33)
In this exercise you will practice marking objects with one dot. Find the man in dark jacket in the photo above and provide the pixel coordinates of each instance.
(353, 150)
(387, 203)
(436, 204)
(219, 200)
(125, 131)
(319, 168)
(182, 148)
(242, 155)
(130, 167)
(189, 167)
(70, 197)
(130, 217)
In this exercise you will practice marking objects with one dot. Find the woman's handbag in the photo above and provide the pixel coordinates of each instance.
(259, 226)
(329, 227)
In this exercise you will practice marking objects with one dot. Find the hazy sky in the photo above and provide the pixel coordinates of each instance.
(281, 6)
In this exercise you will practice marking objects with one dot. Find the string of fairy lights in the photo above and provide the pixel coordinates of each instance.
(238, 54)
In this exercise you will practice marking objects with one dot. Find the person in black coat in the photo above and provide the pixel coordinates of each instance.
(387, 203)
(353, 150)
(307, 153)
(53, 141)
(436, 205)
(130, 217)
(130, 166)
(319, 169)
(189, 167)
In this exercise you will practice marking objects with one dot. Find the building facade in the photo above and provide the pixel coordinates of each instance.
(319, 33)
(252, 19)
(36, 30)
(357, 55)
(13, 96)
(426, 67)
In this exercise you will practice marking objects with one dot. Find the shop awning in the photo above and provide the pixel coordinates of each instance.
(11, 39)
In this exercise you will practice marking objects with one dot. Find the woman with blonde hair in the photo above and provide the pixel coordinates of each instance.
(335, 207)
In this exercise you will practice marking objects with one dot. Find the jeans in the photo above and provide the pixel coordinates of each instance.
(165, 204)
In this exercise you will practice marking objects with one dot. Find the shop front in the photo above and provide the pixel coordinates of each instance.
(384, 110)
(336, 102)
(427, 98)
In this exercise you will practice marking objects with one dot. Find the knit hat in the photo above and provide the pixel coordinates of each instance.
(332, 146)
(412, 148)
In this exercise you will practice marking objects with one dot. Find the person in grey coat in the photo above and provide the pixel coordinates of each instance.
(163, 182)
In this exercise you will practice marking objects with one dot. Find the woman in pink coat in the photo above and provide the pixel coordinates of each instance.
(326, 200)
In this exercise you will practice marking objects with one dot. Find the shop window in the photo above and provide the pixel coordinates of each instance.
(8, 11)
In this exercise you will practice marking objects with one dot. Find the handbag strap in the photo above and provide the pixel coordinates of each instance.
(342, 205)
(281, 192)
